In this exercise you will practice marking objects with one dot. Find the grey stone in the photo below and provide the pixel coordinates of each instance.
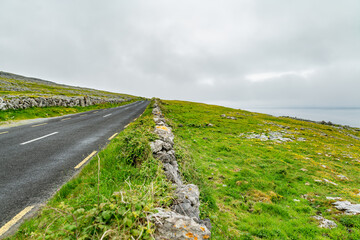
(172, 173)
(167, 146)
(156, 111)
(2, 104)
(187, 202)
(325, 223)
(174, 226)
(165, 134)
(342, 177)
(233, 118)
(156, 146)
(333, 198)
(206, 222)
(273, 136)
(328, 181)
(348, 207)
(165, 157)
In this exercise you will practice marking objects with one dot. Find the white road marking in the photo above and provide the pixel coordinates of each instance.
(39, 138)
(15, 219)
(107, 115)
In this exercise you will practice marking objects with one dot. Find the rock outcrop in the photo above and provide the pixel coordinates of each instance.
(348, 207)
(183, 221)
(325, 223)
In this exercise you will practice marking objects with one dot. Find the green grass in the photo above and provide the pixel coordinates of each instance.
(45, 112)
(31, 88)
(248, 186)
(131, 186)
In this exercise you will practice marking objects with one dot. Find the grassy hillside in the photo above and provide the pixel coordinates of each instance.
(256, 188)
(16, 85)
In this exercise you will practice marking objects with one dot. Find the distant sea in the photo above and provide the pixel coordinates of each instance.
(343, 116)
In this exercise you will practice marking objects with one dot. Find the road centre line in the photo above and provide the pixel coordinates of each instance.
(3, 132)
(85, 160)
(39, 138)
(14, 220)
(107, 115)
(65, 119)
(113, 136)
(37, 125)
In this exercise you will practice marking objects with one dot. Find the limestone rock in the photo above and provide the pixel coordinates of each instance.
(333, 198)
(328, 181)
(342, 177)
(174, 226)
(348, 207)
(187, 202)
(165, 134)
(156, 146)
(2, 104)
(325, 223)
(165, 157)
(172, 173)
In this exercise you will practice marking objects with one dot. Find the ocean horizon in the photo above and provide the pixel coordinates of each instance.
(344, 116)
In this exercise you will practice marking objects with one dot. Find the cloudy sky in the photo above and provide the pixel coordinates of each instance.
(239, 53)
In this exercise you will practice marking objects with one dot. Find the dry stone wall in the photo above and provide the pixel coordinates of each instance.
(183, 221)
(26, 102)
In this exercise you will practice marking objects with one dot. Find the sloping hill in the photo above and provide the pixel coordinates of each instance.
(13, 85)
(26, 98)
(265, 177)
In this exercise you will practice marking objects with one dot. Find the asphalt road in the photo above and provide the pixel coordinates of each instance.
(37, 159)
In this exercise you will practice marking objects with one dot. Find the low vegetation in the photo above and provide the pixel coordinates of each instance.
(263, 177)
(112, 196)
(15, 85)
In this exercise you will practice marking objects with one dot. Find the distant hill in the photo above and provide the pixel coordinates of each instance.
(13, 85)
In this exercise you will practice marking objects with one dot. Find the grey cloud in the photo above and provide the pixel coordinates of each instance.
(193, 50)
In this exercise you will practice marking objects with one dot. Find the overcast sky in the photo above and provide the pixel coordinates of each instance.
(239, 53)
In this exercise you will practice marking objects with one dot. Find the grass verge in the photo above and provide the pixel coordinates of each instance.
(254, 189)
(112, 196)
